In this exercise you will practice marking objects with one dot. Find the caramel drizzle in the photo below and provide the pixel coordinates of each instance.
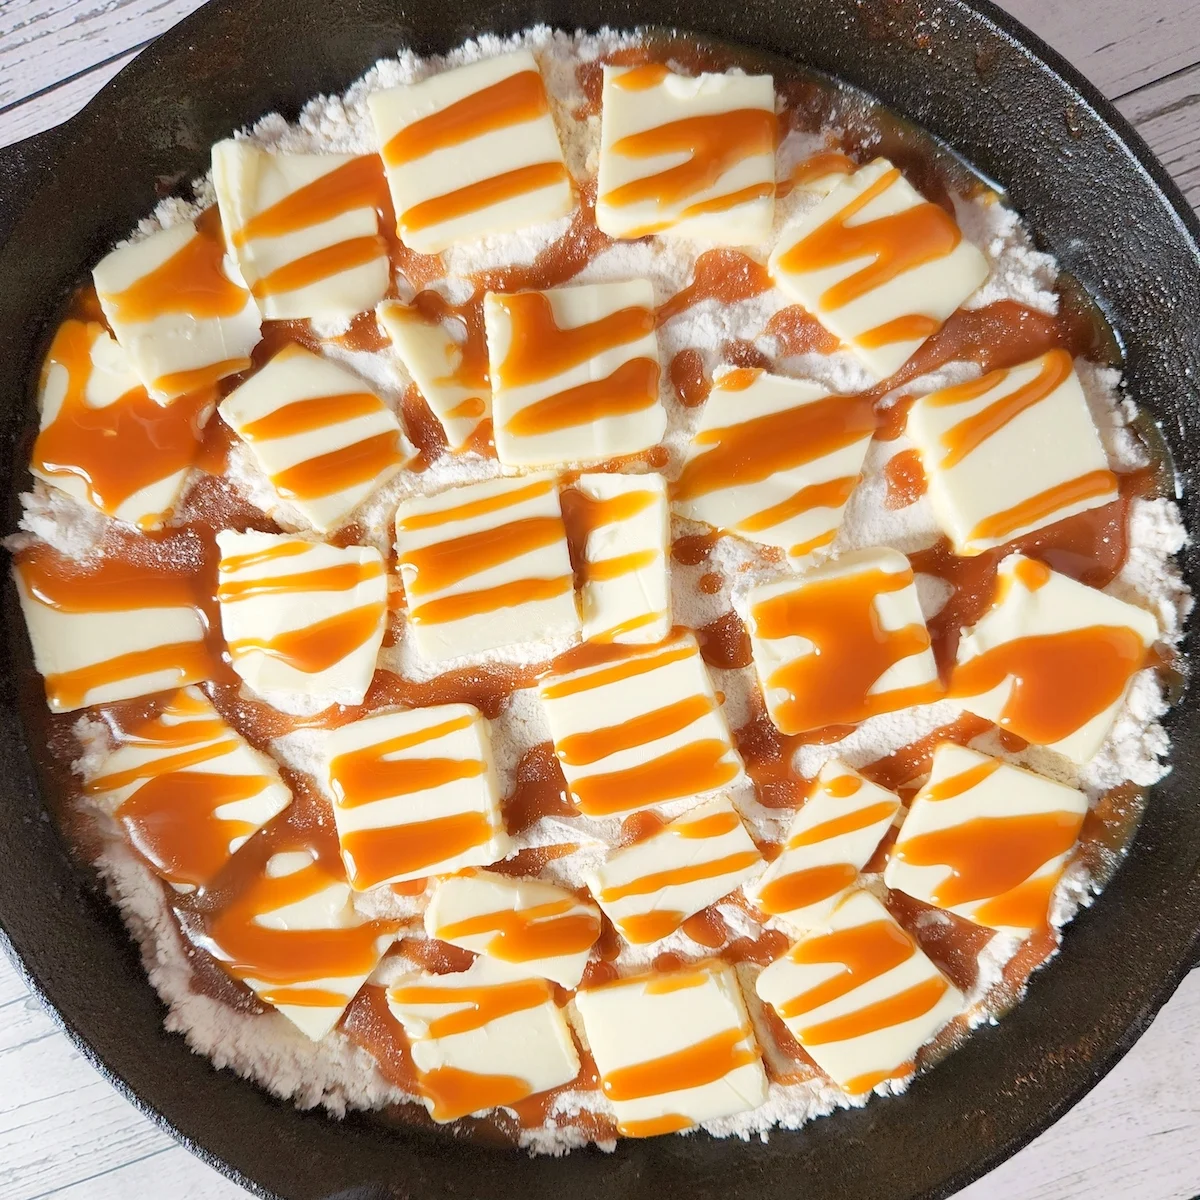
(352, 466)
(373, 774)
(476, 197)
(695, 1066)
(513, 101)
(1059, 681)
(971, 432)
(453, 561)
(712, 144)
(832, 685)
(311, 414)
(320, 645)
(893, 244)
(765, 446)
(1038, 509)
(583, 515)
(192, 282)
(550, 930)
(994, 859)
(287, 960)
(354, 185)
(116, 585)
(539, 350)
(123, 447)
(171, 817)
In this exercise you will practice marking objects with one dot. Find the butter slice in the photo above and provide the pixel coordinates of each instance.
(301, 618)
(650, 888)
(582, 388)
(493, 1062)
(91, 655)
(306, 239)
(314, 1004)
(874, 585)
(885, 318)
(1010, 453)
(471, 152)
(625, 527)
(180, 348)
(1003, 813)
(485, 566)
(785, 492)
(415, 794)
(1035, 602)
(110, 383)
(432, 355)
(321, 435)
(529, 925)
(186, 772)
(832, 837)
(653, 133)
(867, 1023)
(639, 727)
(651, 1032)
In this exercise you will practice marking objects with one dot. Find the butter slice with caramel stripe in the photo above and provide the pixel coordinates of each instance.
(636, 726)
(534, 926)
(880, 266)
(674, 1049)
(471, 152)
(650, 888)
(483, 1038)
(415, 794)
(832, 837)
(986, 840)
(860, 996)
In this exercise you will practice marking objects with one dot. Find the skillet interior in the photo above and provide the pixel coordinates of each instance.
(1091, 189)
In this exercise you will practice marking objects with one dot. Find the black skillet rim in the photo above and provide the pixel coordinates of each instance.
(36, 154)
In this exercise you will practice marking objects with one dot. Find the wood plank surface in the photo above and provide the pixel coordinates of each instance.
(65, 1133)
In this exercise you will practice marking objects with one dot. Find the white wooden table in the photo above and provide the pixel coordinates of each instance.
(65, 1133)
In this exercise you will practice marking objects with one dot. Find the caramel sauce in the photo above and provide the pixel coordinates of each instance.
(710, 583)
(530, 862)
(689, 378)
(540, 350)
(712, 145)
(488, 687)
(905, 479)
(767, 755)
(891, 245)
(1089, 547)
(512, 101)
(540, 791)
(369, 1023)
(641, 79)
(707, 928)
(724, 643)
(124, 447)
(319, 645)
(170, 572)
(527, 934)
(192, 281)
(756, 449)
(442, 564)
(808, 886)
(908, 766)
(832, 685)
(639, 826)
(688, 770)
(631, 388)
(971, 432)
(693, 549)
(339, 470)
(305, 416)
(436, 957)
(582, 749)
(991, 859)
(952, 942)
(695, 1066)
(320, 265)
(725, 275)
(1045, 504)
(797, 331)
(960, 783)
(677, 877)
(465, 322)
(817, 166)
(424, 430)
(364, 334)
(740, 353)
(466, 200)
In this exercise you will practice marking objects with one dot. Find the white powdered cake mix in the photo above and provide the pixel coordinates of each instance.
(334, 1072)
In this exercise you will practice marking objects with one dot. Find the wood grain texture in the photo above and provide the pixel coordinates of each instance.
(65, 1133)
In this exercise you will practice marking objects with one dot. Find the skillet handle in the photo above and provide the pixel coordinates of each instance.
(23, 166)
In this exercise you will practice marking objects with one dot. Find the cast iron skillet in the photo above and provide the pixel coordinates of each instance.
(1086, 182)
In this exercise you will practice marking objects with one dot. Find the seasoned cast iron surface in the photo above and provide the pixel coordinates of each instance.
(1084, 181)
